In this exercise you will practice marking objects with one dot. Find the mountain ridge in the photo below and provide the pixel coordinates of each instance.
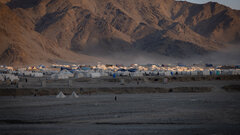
(89, 29)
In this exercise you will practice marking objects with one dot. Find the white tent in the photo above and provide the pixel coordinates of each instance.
(59, 76)
(236, 72)
(206, 72)
(104, 74)
(86, 73)
(27, 73)
(122, 73)
(194, 72)
(24, 73)
(155, 73)
(66, 73)
(74, 95)
(147, 72)
(161, 73)
(79, 75)
(95, 75)
(60, 95)
(48, 71)
(137, 74)
(36, 74)
(2, 78)
(167, 73)
(10, 77)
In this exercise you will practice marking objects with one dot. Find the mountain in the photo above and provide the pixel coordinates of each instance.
(85, 31)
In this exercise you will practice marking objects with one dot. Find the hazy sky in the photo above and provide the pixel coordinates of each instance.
(235, 4)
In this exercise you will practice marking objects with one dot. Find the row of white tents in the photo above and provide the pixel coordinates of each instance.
(29, 73)
(62, 95)
(175, 73)
(89, 74)
(11, 77)
(65, 74)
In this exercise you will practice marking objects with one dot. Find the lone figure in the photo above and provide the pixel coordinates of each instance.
(115, 98)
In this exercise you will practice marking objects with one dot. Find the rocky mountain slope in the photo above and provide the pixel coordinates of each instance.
(49, 31)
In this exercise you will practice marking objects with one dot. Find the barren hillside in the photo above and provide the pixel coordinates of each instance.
(47, 31)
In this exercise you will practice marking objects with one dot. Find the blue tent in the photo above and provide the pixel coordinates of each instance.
(123, 70)
(62, 68)
(41, 66)
(114, 75)
(85, 68)
(218, 72)
(209, 65)
(181, 65)
(132, 70)
(237, 66)
(72, 71)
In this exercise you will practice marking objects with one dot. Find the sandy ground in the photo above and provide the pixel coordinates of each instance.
(213, 113)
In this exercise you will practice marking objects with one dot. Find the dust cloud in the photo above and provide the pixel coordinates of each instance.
(229, 56)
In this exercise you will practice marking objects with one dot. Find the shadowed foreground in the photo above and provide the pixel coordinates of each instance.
(215, 112)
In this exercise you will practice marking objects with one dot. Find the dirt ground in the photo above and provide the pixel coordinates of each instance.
(100, 86)
(213, 113)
